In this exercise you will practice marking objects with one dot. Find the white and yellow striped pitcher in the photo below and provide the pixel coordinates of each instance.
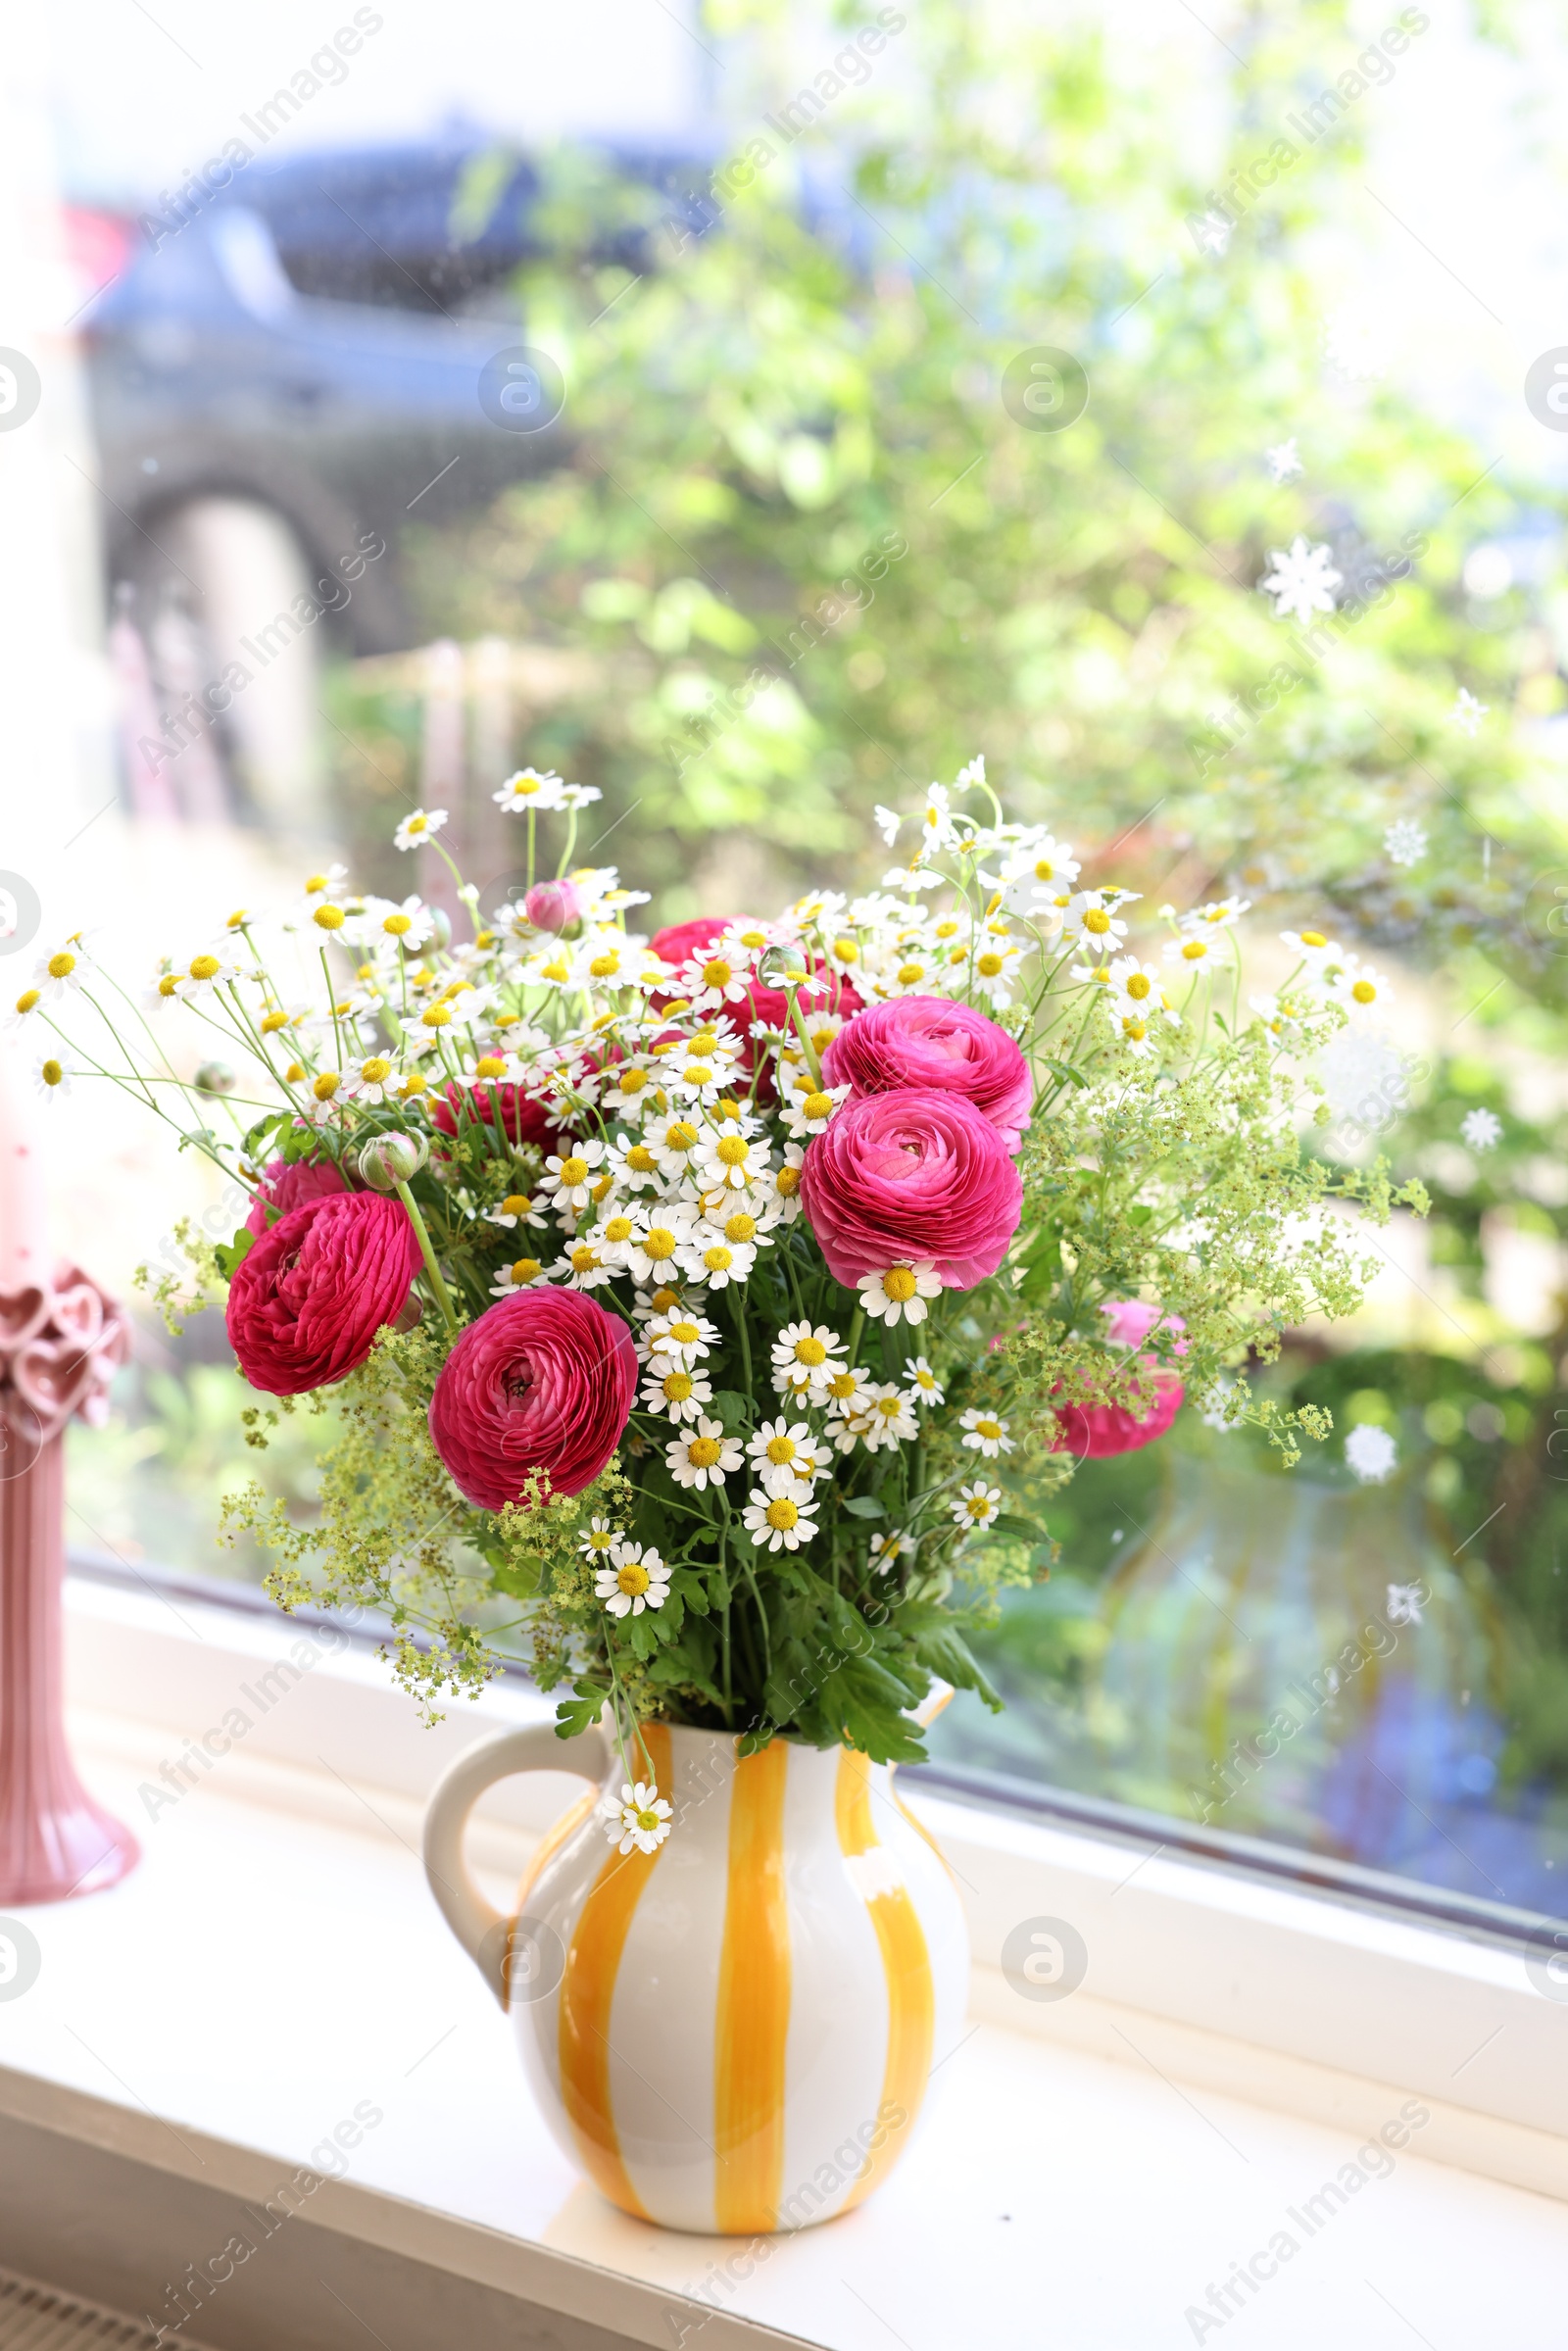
(732, 2033)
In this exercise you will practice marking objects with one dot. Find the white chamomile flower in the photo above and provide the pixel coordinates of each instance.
(415, 830)
(1467, 713)
(52, 1074)
(1220, 914)
(202, 976)
(1371, 1453)
(710, 1257)
(1316, 949)
(845, 1391)
(781, 1521)
(670, 1388)
(721, 974)
(637, 1820)
(410, 925)
(910, 878)
(1035, 873)
(1284, 464)
(809, 1113)
(1302, 581)
(1481, 1129)
(682, 1336)
(634, 1165)
(635, 1578)
(782, 1444)
(323, 887)
(629, 1086)
(59, 975)
(802, 1352)
(674, 1144)
(985, 1433)
(524, 1273)
(30, 999)
(886, 1417)
(995, 972)
(517, 1208)
(1092, 918)
(702, 1456)
(784, 1182)
(599, 1538)
(568, 1176)
(935, 819)
(887, 824)
(924, 1388)
(371, 1079)
(589, 1261)
(886, 1550)
(1405, 842)
(727, 1158)
(977, 1506)
(529, 789)
(1358, 988)
(583, 796)
(900, 1294)
(656, 1247)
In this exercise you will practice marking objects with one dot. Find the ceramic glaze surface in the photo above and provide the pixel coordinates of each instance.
(734, 2034)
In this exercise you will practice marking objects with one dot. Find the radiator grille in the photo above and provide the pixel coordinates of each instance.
(39, 2318)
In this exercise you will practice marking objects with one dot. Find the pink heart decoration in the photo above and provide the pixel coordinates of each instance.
(52, 1375)
(22, 1315)
(78, 1313)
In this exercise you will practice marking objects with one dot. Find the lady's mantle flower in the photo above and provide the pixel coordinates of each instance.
(422, 826)
(900, 1294)
(1371, 1453)
(635, 1578)
(637, 1820)
(703, 1456)
(986, 1435)
(977, 1506)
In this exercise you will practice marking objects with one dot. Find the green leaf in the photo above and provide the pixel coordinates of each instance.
(518, 1577)
(733, 1408)
(943, 1650)
(231, 1253)
(1007, 1522)
(863, 1505)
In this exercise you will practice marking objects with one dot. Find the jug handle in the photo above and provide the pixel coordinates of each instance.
(477, 1926)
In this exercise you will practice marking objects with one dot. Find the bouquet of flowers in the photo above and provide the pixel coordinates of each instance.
(708, 1316)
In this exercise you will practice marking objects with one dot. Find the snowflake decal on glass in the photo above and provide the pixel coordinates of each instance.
(1302, 581)
(1405, 842)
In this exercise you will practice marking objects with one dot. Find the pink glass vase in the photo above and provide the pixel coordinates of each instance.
(58, 1346)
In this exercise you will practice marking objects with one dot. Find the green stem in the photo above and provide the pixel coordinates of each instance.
(443, 1296)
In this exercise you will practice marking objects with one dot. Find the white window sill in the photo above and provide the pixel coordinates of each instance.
(1088, 2167)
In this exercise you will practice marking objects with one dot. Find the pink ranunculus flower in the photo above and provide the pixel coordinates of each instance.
(1096, 1430)
(304, 1306)
(916, 1175)
(930, 1042)
(283, 1187)
(544, 1380)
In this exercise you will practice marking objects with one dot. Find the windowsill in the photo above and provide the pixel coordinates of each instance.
(276, 1960)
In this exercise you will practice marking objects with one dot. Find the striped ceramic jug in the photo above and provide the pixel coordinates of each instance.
(734, 2033)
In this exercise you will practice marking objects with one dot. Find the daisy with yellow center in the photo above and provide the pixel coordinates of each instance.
(634, 1578)
(900, 1292)
(986, 1435)
(702, 1456)
(977, 1506)
(668, 1387)
(779, 1520)
(415, 830)
(599, 1540)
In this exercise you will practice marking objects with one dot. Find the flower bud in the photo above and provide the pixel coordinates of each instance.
(387, 1160)
(440, 927)
(216, 1077)
(553, 906)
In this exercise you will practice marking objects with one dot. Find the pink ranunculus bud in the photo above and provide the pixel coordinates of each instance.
(1129, 1321)
(553, 906)
(304, 1306)
(912, 1175)
(930, 1042)
(544, 1380)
